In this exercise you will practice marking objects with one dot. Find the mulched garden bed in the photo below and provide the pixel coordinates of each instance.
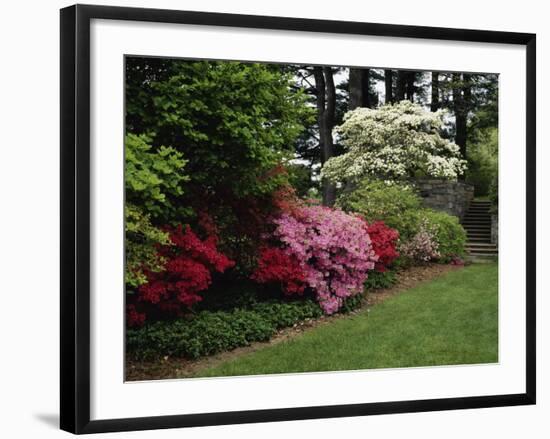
(174, 368)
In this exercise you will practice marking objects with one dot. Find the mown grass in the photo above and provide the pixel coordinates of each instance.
(450, 320)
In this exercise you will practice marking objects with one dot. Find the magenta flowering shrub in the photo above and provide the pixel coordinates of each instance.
(333, 249)
(423, 246)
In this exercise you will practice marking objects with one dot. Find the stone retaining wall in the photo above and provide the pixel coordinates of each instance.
(452, 197)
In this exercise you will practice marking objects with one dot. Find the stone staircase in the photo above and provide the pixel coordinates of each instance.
(477, 223)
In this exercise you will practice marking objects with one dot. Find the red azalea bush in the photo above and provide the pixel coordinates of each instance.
(384, 242)
(187, 272)
(276, 265)
(133, 316)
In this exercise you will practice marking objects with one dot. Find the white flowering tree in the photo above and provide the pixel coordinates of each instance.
(395, 141)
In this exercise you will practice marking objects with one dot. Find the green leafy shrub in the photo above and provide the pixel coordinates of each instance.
(210, 332)
(380, 279)
(205, 334)
(394, 203)
(141, 241)
(483, 160)
(153, 178)
(284, 314)
(232, 121)
(448, 233)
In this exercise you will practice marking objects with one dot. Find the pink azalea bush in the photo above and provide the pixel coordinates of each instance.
(333, 249)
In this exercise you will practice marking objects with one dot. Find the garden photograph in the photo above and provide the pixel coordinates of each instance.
(285, 218)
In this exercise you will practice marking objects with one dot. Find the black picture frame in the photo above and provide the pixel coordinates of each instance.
(75, 217)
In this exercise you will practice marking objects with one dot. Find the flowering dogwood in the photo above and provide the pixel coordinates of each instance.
(333, 250)
(394, 141)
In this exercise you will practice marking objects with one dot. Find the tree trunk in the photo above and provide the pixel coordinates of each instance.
(401, 85)
(355, 88)
(467, 86)
(411, 77)
(365, 85)
(359, 88)
(388, 81)
(461, 113)
(326, 110)
(435, 92)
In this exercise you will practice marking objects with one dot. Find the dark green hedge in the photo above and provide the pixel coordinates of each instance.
(210, 332)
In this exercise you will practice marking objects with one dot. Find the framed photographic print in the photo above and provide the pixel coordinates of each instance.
(271, 218)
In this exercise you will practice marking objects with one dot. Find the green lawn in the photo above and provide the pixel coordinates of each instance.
(451, 320)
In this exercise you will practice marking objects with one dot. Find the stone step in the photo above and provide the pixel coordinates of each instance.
(482, 258)
(483, 254)
(477, 223)
(484, 239)
(481, 245)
